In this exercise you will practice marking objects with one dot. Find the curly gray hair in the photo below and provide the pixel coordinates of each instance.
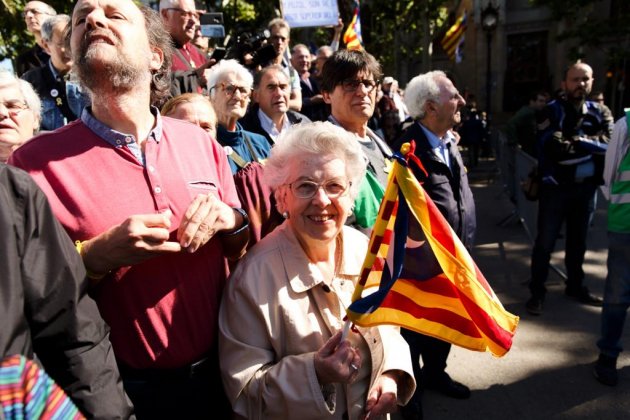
(317, 138)
(222, 69)
(421, 89)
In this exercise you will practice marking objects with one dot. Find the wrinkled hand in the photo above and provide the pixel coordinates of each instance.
(337, 361)
(135, 240)
(383, 397)
(204, 218)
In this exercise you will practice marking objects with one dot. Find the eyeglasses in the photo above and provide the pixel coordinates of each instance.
(14, 107)
(351, 85)
(308, 189)
(188, 13)
(34, 12)
(230, 90)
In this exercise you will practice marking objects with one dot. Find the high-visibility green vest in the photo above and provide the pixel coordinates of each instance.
(619, 207)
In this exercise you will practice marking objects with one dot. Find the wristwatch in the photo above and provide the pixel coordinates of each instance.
(245, 222)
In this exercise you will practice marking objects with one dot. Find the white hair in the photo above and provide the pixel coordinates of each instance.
(222, 69)
(49, 25)
(421, 89)
(31, 98)
(316, 138)
(167, 4)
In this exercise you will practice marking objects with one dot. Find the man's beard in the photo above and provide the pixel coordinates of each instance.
(120, 74)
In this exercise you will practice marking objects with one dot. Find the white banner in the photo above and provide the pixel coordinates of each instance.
(303, 13)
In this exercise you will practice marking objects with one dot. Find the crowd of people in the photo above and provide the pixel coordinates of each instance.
(182, 226)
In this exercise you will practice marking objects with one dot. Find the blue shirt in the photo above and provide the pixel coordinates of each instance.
(118, 139)
(439, 145)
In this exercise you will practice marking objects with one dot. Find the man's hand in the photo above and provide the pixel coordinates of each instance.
(135, 240)
(339, 26)
(204, 218)
(383, 397)
(337, 361)
(201, 71)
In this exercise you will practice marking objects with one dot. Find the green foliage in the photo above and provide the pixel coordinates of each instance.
(589, 30)
(400, 24)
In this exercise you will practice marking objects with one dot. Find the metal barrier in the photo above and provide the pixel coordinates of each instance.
(515, 165)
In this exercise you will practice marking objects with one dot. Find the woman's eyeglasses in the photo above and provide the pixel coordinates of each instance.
(14, 107)
(308, 189)
(230, 90)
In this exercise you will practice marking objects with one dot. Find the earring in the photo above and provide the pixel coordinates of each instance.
(285, 214)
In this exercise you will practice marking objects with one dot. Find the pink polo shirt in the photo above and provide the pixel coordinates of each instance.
(162, 312)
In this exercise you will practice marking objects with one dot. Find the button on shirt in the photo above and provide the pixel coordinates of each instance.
(440, 146)
(118, 139)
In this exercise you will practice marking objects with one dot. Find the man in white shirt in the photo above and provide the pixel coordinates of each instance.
(270, 114)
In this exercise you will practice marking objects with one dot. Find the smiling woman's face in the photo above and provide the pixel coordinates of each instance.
(319, 218)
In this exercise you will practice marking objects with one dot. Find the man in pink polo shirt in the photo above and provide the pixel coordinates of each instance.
(189, 63)
(151, 204)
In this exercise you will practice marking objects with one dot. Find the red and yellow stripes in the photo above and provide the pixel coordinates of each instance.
(456, 305)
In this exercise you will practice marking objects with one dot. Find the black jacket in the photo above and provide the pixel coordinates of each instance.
(448, 188)
(251, 122)
(44, 306)
(317, 111)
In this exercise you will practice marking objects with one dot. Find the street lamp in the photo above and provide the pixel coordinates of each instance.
(489, 20)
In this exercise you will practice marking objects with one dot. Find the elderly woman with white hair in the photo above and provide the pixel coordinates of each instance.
(20, 109)
(280, 342)
(230, 86)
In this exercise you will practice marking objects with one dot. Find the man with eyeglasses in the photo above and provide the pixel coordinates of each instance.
(35, 12)
(349, 83)
(270, 114)
(62, 101)
(189, 63)
(230, 86)
(280, 39)
(151, 205)
(19, 113)
(434, 103)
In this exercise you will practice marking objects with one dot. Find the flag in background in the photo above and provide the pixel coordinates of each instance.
(352, 37)
(426, 279)
(453, 41)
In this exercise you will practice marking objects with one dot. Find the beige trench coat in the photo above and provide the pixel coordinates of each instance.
(276, 314)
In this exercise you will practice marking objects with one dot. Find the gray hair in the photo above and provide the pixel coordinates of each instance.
(325, 48)
(31, 98)
(165, 4)
(47, 8)
(300, 46)
(222, 69)
(274, 67)
(421, 89)
(49, 25)
(317, 138)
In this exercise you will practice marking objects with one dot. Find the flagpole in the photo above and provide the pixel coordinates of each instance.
(346, 328)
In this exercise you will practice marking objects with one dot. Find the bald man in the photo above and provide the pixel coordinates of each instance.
(571, 143)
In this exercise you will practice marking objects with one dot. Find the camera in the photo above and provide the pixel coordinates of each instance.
(252, 49)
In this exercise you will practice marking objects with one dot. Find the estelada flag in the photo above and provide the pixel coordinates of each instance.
(454, 38)
(352, 37)
(426, 279)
